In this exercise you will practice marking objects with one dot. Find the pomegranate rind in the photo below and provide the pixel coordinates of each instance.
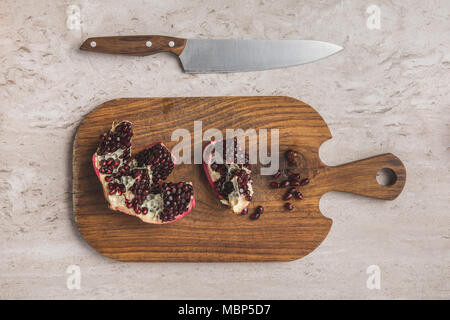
(129, 211)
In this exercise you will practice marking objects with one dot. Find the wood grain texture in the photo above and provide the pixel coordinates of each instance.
(210, 232)
(134, 45)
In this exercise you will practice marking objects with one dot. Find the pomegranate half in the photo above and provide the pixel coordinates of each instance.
(230, 178)
(133, 185)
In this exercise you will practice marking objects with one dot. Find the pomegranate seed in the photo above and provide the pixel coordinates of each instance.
(111, 192)
(294, 182)
(259, 209)
(244, 211)
(285, 184)
(255, 216)
(287, 196)
(298, 195)
(277, 174)
(292, 190)
(274, 185)
(290, 155)
(304, 182)
(144, 211)
(108, 178)
(288, 206)
(294, 176)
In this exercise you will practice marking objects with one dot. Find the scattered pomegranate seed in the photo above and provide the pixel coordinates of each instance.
(298, 195)
(304, 182)
(277, 174)
(259, 209)
(294, 176)
(285, 184)
(255, 216)
(290, 155)
(292, 190)
(244, 211)
(287, 196)
(294, 182)
(288, 206)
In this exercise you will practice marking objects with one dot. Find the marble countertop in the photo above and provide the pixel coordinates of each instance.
(388, 91)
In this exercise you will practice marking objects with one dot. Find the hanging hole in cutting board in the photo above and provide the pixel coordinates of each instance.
(386, 177)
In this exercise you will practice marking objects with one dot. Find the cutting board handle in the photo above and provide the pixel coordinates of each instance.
(360, 177)
(135, 45)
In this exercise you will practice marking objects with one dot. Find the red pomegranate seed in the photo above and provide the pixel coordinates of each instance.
(288, 206)
(294, 176)
(304, 182)
(287, 196)
(298, 195)
(290, 155)
(285, 184)
(294, 182)
(259, 209)
(244, 211)
(277, 174)
(255, 216)
(292, 190)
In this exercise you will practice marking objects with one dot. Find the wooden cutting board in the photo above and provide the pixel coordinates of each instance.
(211, 233)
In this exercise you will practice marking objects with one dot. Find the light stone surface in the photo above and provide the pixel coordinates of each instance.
(388, 91)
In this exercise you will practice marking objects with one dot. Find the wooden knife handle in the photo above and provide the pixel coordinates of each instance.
(135, 45)
(359, 177)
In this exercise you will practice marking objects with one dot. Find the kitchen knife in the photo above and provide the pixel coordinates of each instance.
(218, 55)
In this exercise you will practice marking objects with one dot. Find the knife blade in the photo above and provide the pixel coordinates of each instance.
(218, 55)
